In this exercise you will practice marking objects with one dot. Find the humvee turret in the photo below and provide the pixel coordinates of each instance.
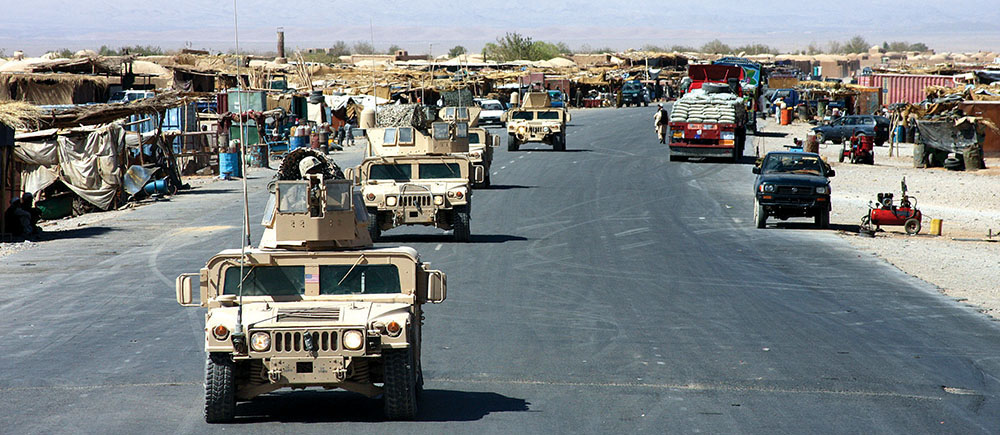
(536, 121)
(314, 305)
(414, 176)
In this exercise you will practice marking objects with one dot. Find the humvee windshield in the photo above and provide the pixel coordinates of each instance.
(266, 281)
(390, 172)
(548, 115)
(473, 138)
(290, 280)
(364, 279)
(440, 170)
(523, 116)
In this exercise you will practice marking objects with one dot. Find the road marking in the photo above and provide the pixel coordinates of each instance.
(438, 247)
(511, 161)
(632, 231)
(637, 245)
(520, 157)
(496, 172)
(504, 167)
(202, 229)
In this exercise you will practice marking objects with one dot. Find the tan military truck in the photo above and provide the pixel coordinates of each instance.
(418, 176)
(313, 306)
(536, 121)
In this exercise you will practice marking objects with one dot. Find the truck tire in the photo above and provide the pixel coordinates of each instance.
(460, 224)
(840, 158)
(759, 215)
(677, 158)
(512, 144)
(220, 389)
(399, 393)
(559, 142)
(374, 230)
(820, 138)
(823, 218)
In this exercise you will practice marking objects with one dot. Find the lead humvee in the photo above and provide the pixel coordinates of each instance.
(536, 121)
(314, 305)
(420, 175)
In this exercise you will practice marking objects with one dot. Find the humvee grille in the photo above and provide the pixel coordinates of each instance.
(537, 130)
(291, 342)
(415, 200)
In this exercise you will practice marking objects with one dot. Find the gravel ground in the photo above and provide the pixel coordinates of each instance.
(967, 202)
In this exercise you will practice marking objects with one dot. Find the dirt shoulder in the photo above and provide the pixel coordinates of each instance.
(960, 262)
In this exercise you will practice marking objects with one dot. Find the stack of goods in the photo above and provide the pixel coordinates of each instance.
(701, 107)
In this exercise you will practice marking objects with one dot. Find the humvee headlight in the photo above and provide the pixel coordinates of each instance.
(220, 332)
(353, 340)
(390, 201)
(438, 200)
(393, 328)
(548, 130)
(521, 129)
(260, 341)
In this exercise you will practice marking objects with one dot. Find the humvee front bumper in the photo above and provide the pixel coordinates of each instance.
(320, 370)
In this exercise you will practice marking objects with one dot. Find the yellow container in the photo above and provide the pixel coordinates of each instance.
(936, 227)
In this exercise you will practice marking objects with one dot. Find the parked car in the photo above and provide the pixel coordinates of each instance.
(492, 111)
(841, 129)
(792, 184)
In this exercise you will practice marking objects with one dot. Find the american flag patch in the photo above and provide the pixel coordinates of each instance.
(312, 278)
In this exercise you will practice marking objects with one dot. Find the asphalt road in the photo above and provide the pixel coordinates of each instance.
(606, 290)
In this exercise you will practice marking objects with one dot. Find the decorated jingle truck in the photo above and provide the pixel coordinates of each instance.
(710, 119)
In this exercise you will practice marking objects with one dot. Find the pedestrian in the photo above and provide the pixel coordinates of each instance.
(22, 217)
(660, 121)
(340, 136)
(350, 134)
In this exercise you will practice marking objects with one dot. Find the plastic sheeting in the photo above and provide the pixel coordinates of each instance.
(951, 136)
(86, 161)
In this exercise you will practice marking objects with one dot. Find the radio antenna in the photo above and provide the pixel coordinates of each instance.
(244, 243)
(371, 27)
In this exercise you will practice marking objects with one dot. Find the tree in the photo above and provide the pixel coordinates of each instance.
(835, 47)
(362, 47)
(393, 49)
(587, 49)
(511, 46)
(64, 53)
(752, 49)
(339, 49)
(716, 47)
(813, 49)
(107, 51)
(856, 44)
(682, 48)
(456, 51)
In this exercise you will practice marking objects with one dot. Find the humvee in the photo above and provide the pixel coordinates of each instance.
(313, 306)
(417, 177)
(536, 121)
(481, 144)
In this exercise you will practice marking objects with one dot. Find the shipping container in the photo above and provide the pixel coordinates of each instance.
(989, 110)
(904, 88)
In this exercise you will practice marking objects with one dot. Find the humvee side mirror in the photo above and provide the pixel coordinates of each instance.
(353, 174)
(437, 286)
(756, 169)
(480, 174)
(496, 142)
(183, 287)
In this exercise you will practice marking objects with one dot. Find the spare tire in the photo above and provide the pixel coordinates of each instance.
(954, 164)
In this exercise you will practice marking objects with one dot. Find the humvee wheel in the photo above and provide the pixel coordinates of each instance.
(399, 394)
(512, 144)
(373, 229)
(220, 389)
(486, 180)
(460, 224)
(560, 144)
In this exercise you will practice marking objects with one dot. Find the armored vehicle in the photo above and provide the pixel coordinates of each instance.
(314, 305)
(536, 121)
(420, 174)
(481, 144)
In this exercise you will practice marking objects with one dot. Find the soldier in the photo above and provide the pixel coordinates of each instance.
(660, 123)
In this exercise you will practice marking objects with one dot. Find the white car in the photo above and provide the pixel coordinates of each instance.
(491, 112)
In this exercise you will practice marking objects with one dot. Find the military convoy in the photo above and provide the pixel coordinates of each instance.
(536, 121)
(420, 173)
(314, 305)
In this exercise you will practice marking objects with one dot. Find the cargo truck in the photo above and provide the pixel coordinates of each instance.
(710, 120)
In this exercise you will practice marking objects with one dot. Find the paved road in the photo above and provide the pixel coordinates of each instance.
(606, 290)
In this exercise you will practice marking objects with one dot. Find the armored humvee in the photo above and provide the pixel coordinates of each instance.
(537, 121)
(420, 176)
(481, 144)
(314, 305)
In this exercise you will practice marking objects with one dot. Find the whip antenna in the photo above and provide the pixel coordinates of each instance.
(243, 163)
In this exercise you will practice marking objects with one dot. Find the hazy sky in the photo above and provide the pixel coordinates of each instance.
(40, 25)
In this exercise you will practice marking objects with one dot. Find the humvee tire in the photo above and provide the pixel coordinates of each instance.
(560, 144)
(399, 394)
(512, 144)
(486, 180)
(373, 229)
(220, 389)
(460, 224)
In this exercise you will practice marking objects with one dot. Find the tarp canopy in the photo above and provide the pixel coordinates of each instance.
(84, 159)
(951, 136)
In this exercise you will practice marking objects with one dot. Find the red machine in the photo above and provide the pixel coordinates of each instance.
(884, 212)
(862, 150)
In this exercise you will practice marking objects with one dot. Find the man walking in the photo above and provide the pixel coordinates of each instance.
(660, 123)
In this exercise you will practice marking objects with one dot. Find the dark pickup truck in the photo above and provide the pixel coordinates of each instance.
(841, 129)
(792, 184)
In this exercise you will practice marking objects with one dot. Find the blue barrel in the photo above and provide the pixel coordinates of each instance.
(298, 142)
(900, 133)
(229, 163)
(158, 186)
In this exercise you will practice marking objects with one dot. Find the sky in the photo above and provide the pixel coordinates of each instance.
(44, 25)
